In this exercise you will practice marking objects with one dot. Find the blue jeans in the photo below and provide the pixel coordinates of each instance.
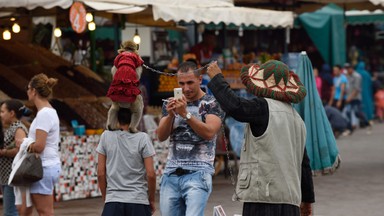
(186, 194)
(354, 112)
(9, 206)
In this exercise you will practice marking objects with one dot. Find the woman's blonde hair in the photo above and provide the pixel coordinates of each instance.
(43, 84)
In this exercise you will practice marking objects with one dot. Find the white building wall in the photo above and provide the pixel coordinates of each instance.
(145, 35)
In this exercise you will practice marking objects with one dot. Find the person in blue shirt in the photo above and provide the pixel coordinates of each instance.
(340, 83)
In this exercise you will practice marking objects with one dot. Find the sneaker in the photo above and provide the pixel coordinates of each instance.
(346, 133)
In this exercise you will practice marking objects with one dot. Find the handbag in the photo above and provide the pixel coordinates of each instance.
(29, 171)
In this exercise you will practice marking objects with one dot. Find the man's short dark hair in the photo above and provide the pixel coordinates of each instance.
(124, 116)
(187, 66)
(338, 66)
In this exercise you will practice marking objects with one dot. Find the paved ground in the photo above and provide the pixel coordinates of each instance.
(356, 189)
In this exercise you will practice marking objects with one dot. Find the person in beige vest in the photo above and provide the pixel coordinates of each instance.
(274, 175)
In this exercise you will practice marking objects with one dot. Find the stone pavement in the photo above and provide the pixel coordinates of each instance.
(356, 189)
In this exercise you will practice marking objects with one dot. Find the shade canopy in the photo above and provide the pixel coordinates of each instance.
(335, 1)
(356, 17)
(230, 15)
(192, 3)
(377, 2)
(326, 29)
(32, 4)
(320, 142)
(121, 8)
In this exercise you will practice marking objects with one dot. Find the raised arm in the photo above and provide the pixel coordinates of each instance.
(166, 122)
(241, 109)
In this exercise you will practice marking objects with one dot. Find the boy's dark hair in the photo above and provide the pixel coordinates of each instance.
(124, 116)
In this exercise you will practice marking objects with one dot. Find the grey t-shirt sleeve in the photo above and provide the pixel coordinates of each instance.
(100, 148)
(147, 147)
(358, 83)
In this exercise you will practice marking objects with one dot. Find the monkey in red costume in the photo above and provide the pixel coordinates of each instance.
(124, 90)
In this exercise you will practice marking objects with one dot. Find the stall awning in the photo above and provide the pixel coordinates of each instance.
(364, 17)
(192, 3)
(32, 4)
(230, 15)
(377, 2)
(121, 8)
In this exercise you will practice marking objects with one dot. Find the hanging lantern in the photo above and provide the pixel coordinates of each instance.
(91, 26)
(136, 37)
(57, 32)
(16, 28)
(89, 17)
(6, 34)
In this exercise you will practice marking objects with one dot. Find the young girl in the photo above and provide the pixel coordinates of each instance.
(14, 132)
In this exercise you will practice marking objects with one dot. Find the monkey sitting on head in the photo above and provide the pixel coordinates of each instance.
(124, 90)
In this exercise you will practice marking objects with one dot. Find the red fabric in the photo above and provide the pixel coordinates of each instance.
(125, 83)
(203, 52)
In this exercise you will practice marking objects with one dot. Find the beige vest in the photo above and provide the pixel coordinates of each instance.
(270, 166)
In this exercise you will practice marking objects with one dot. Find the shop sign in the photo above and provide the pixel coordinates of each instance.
(77, 14)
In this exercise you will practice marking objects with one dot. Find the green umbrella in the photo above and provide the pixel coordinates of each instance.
(321, 143)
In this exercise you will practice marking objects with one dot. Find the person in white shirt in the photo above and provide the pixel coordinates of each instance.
(45, 130)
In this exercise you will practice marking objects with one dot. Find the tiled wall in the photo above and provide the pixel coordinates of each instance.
(79, 166)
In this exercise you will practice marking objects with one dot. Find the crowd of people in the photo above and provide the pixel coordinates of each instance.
(352, 97)
(274, 178)
(191, 123)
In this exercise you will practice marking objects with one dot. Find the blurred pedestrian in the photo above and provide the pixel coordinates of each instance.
(45, 131)
(275, 177)
(366, 91)
(339, 88)
(353, 109)
(379, 102)
(319, 81)
(204, 50)
(338, 122)
(376, 82)
(11, 113)
(327, 82)
(125, 170)
(191, 123)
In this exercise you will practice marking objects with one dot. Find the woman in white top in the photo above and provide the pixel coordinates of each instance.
(45, 130)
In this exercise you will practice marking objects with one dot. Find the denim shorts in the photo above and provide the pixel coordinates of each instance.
(45, 185)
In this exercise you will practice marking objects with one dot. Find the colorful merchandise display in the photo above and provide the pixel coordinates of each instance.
(78, 178)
